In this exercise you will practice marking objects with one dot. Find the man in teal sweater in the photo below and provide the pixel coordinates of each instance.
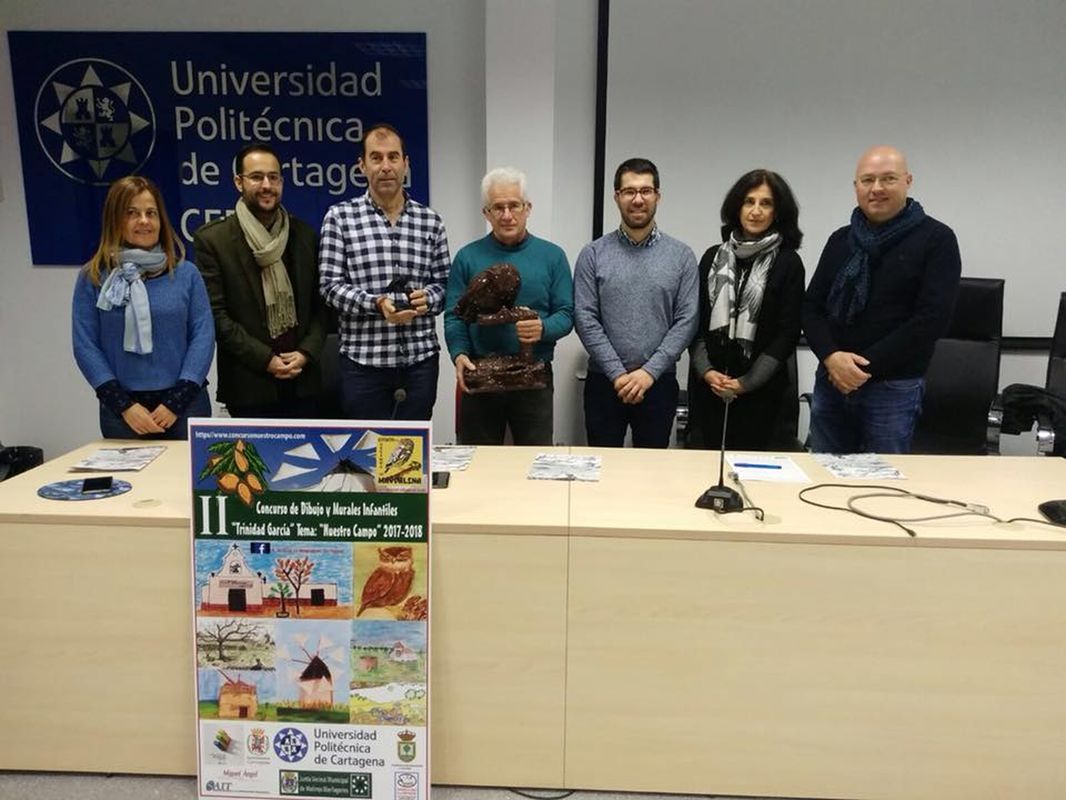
(547, 288)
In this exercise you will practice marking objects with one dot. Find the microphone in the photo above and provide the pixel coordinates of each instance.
(720, 498)
(398, 397)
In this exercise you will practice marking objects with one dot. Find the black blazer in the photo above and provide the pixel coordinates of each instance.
(235, 287)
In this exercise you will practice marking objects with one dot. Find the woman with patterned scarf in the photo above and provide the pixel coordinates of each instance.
(142, 328)
(751, 296)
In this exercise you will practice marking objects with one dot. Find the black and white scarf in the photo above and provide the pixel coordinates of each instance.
(732, 318)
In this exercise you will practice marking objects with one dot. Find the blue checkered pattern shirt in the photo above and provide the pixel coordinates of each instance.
(360, 254)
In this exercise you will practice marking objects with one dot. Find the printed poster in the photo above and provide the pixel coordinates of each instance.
(311, 586)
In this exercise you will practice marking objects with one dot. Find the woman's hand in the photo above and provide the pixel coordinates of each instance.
(140, 421)
(716, 380)
(733, 386)
(164, 417)
(722, 385)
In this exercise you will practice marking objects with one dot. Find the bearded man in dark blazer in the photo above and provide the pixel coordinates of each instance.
(260, 265)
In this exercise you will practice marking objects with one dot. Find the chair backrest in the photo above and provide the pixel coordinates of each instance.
(963, 376)
(331, 390)
(1056, 365)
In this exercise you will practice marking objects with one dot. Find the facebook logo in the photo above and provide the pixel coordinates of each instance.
(262, 548)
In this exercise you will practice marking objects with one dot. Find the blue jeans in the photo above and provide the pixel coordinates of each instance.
(112, 426)
(878, 417)
(370, 392)
(607, 417)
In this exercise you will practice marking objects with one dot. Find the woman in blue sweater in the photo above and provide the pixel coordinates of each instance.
(142, 326)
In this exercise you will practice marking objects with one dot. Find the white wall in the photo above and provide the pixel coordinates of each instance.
(43, 398)
(540, 117)
(971, 90)
(508, 82)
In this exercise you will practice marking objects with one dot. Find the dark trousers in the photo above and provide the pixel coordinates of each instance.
(878, 417)
(607, 417)
(371, 392)
(112, 426)
(485, 417)
(294, 408)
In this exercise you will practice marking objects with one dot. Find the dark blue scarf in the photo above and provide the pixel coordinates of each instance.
(851, 286)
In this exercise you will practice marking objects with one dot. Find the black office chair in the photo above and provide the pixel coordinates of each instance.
(962, 381)
(331, 390)
(18, 459)
(1023, 403)
(1055, 380)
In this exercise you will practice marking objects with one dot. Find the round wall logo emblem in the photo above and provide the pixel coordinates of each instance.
(290, 744)
(95, 122)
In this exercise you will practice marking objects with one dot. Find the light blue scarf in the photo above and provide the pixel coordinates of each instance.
(124, 286)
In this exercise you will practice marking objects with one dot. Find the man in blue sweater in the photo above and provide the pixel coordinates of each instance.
(547, 288)
(636, 310)
(882, 294)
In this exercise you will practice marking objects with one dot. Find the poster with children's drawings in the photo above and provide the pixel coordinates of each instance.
(310, 585)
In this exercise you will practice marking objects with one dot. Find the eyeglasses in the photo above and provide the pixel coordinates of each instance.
(515, 207)
(888, 181)
(263, 177)
(629, 193)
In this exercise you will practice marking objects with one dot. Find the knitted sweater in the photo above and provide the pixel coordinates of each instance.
(912, 295)
(547, 288)
(183, 334)
(635, 306)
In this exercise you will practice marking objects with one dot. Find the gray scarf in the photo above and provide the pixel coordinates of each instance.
(124, 286)
(267, 248)
(733, 319)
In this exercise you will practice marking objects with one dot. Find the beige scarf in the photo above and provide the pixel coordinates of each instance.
(267, 249)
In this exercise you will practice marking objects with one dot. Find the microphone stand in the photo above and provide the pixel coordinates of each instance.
(720, 498)
(398, 397)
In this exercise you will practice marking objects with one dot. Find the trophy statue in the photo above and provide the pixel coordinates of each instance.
(489, 300)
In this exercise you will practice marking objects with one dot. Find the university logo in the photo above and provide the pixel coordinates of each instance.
(405, 748)
(290, 744)
(94, 121)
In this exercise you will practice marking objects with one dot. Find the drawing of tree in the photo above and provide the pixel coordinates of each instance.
(219, 634)
(282, 590)
(296, 571)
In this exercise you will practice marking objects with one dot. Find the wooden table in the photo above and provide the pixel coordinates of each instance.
(816, 654)
(606, 635)
(97, 629)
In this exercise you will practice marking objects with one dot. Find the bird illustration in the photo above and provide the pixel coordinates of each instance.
(390, 581)
(489, 291)
(402, 452)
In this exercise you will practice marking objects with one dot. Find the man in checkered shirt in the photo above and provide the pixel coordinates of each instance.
(383, 264)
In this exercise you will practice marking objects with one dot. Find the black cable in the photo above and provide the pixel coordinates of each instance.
(748, 505)
(965, 509)
(531, 796)
(1032, 519)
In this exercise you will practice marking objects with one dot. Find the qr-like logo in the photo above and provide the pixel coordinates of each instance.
(290, 744)
(95, 121)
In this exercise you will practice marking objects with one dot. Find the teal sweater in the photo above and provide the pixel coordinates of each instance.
(547, 288)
